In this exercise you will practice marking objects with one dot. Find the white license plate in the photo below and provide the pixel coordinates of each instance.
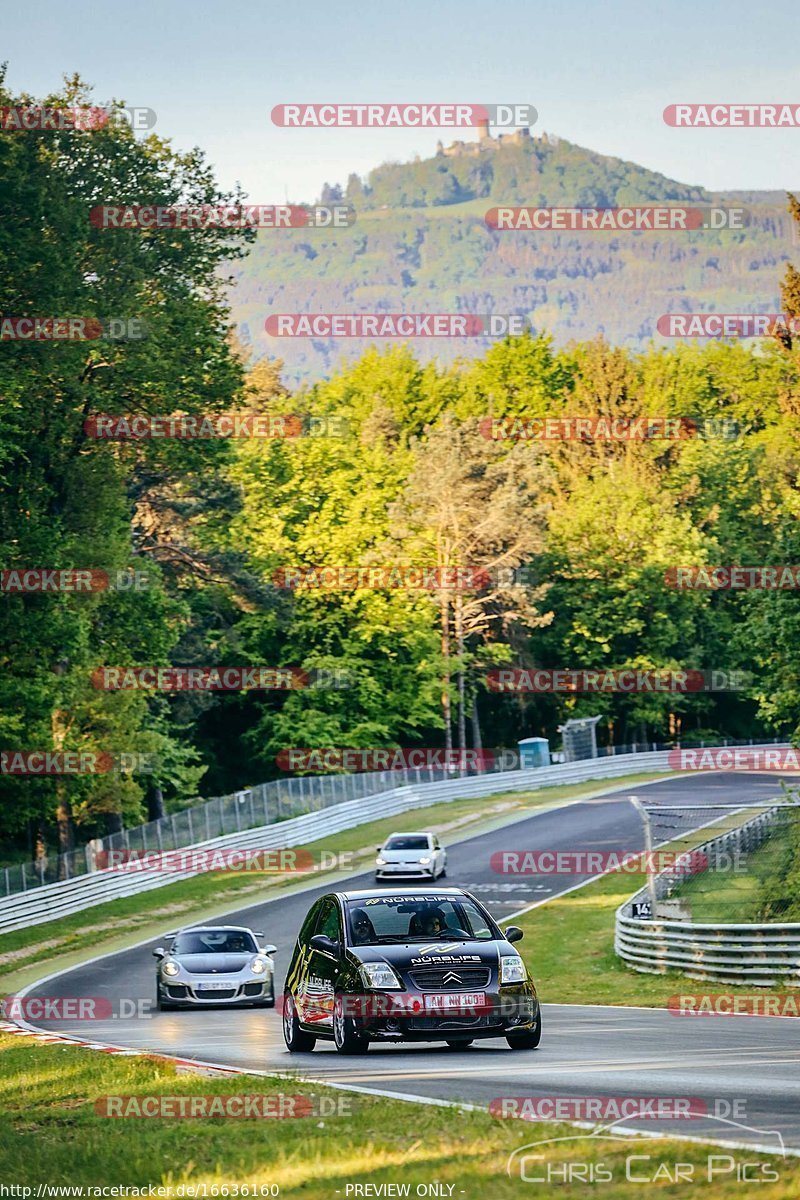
(447, 1002)
(219, 986)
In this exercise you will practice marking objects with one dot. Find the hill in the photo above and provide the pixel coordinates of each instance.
(421, 244)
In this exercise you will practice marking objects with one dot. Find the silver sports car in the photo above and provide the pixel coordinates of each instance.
(214, 964)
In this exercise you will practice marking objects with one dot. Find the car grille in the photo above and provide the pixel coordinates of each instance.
(220, 994)
(252, 989)
(177, 991)
(420, 1024)
(440, 979)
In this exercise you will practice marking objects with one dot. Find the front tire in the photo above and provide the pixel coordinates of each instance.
(528, 1040)
(297, 1040)
(347, 1036)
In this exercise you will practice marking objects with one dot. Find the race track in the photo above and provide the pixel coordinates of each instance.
(750, 1062)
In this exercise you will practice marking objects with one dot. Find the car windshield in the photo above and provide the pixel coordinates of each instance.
(420, 842)
(214, 941)
(416, 918)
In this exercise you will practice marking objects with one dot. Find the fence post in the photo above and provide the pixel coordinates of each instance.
(191, 830)
(648, 845)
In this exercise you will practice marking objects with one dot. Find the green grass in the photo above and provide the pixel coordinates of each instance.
(569, 946)
(717, 897)
(51, 1133)
(113, 926)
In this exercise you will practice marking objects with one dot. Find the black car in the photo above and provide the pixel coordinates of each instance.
(426, 965)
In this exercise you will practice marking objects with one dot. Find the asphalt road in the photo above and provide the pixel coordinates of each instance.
(745, 1069)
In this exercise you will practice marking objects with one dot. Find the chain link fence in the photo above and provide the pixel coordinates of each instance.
(752, 875)
(266, 804)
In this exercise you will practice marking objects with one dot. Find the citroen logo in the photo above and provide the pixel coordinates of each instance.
(451, 977)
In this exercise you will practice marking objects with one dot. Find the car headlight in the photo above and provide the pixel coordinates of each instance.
(423, 862)
(380, 862)
(512, 969)
(171, 968)
(258, 966)
(379, 975)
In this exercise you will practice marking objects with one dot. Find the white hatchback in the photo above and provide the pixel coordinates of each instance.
(411, 856)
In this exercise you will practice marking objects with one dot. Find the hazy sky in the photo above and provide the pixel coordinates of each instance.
(600, 74)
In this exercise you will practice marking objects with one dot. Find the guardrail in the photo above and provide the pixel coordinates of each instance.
(50, 901)
(765, 954)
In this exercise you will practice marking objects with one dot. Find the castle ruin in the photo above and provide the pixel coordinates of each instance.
(520, 137)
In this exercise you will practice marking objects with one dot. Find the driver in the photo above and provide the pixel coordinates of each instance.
(363, 930)
(431, 923)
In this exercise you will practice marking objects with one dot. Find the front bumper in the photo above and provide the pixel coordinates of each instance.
(405, 871)
(512, 1010)
(188, 992)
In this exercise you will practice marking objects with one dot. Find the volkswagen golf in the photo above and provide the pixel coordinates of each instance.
(419, 965)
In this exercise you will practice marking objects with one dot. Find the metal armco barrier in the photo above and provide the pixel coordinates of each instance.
(759, 954)
(53, 900)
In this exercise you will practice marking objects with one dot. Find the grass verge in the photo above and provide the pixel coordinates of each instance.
(569, 945)
(51, 1134)
(106, 928)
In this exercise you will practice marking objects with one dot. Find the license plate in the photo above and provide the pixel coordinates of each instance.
(220, 986)
(447, 1002)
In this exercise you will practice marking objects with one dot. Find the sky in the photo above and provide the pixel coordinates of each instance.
(599, 74)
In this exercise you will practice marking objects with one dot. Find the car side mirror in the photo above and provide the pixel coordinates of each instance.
(514, 933)
(159, 952)
(268, 948)
(378, 849)
(258, 933)
(321, 941)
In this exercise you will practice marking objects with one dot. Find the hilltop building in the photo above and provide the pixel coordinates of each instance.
(520, 137)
